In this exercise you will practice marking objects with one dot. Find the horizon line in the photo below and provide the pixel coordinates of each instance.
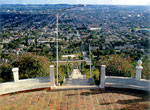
(77, 4)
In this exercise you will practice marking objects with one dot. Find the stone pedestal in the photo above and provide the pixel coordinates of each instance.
(52, 77)
(16, 74)
(138, 72)
(102, 78)
(139, 69)
(64, 80)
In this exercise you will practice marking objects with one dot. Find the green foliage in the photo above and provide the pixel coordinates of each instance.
(94, 73)
(145, 42)
(31, 66)
(62, 70)
(15, 43)
(146, 68)
(6, 73)
(118, 65)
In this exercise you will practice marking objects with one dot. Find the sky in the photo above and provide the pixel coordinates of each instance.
(109, 2)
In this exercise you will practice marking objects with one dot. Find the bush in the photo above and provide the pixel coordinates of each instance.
(31, 66)
(118, 65)
(62, 72)
(146, 68)
(95, 73)
(6, 73)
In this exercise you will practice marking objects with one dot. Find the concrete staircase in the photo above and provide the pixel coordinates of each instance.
(77, 79)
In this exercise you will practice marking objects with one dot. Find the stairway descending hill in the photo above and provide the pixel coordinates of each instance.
(76, 79)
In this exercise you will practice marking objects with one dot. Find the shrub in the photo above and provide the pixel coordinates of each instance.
(6, 73)
(118, 65)
(146, 68)
(95, 73)
(31, 66)
(62, 72)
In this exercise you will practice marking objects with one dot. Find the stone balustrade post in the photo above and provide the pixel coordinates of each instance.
(16, 74)
(102, 78)
(64, 80)
(52, 77)
(139, 69)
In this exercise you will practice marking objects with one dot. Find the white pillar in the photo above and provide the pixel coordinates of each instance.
(64, 80)
(52, 77)
(139, 69)
(16, 74)
(102, 78)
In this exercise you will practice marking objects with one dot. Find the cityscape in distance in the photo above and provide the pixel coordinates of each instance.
(60, 55)
(109, 30)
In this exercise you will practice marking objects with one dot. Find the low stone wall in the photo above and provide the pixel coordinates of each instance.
(45, 82)
(124, 82)
(127, 82)
(25, 84)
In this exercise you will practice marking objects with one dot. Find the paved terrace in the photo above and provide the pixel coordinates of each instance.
(76, 99)
(76, 95)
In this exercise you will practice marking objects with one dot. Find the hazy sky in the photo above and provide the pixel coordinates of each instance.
(120, 2)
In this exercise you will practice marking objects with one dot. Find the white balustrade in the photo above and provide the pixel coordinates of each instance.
(16, 74)
(52, 77)
(139, 69)
(102, 78)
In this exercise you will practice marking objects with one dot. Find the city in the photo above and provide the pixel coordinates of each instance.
(77, 41)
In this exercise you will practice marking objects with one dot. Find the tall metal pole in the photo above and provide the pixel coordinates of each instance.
(90, 59)
(57, 36)
(67, 68)
(57, 47)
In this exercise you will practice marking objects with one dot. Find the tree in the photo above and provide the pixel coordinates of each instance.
(62, 73)
(146, 68)
(31, 66)
(6, 73)
(118, 65)
(95, 73)
(26, 40)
